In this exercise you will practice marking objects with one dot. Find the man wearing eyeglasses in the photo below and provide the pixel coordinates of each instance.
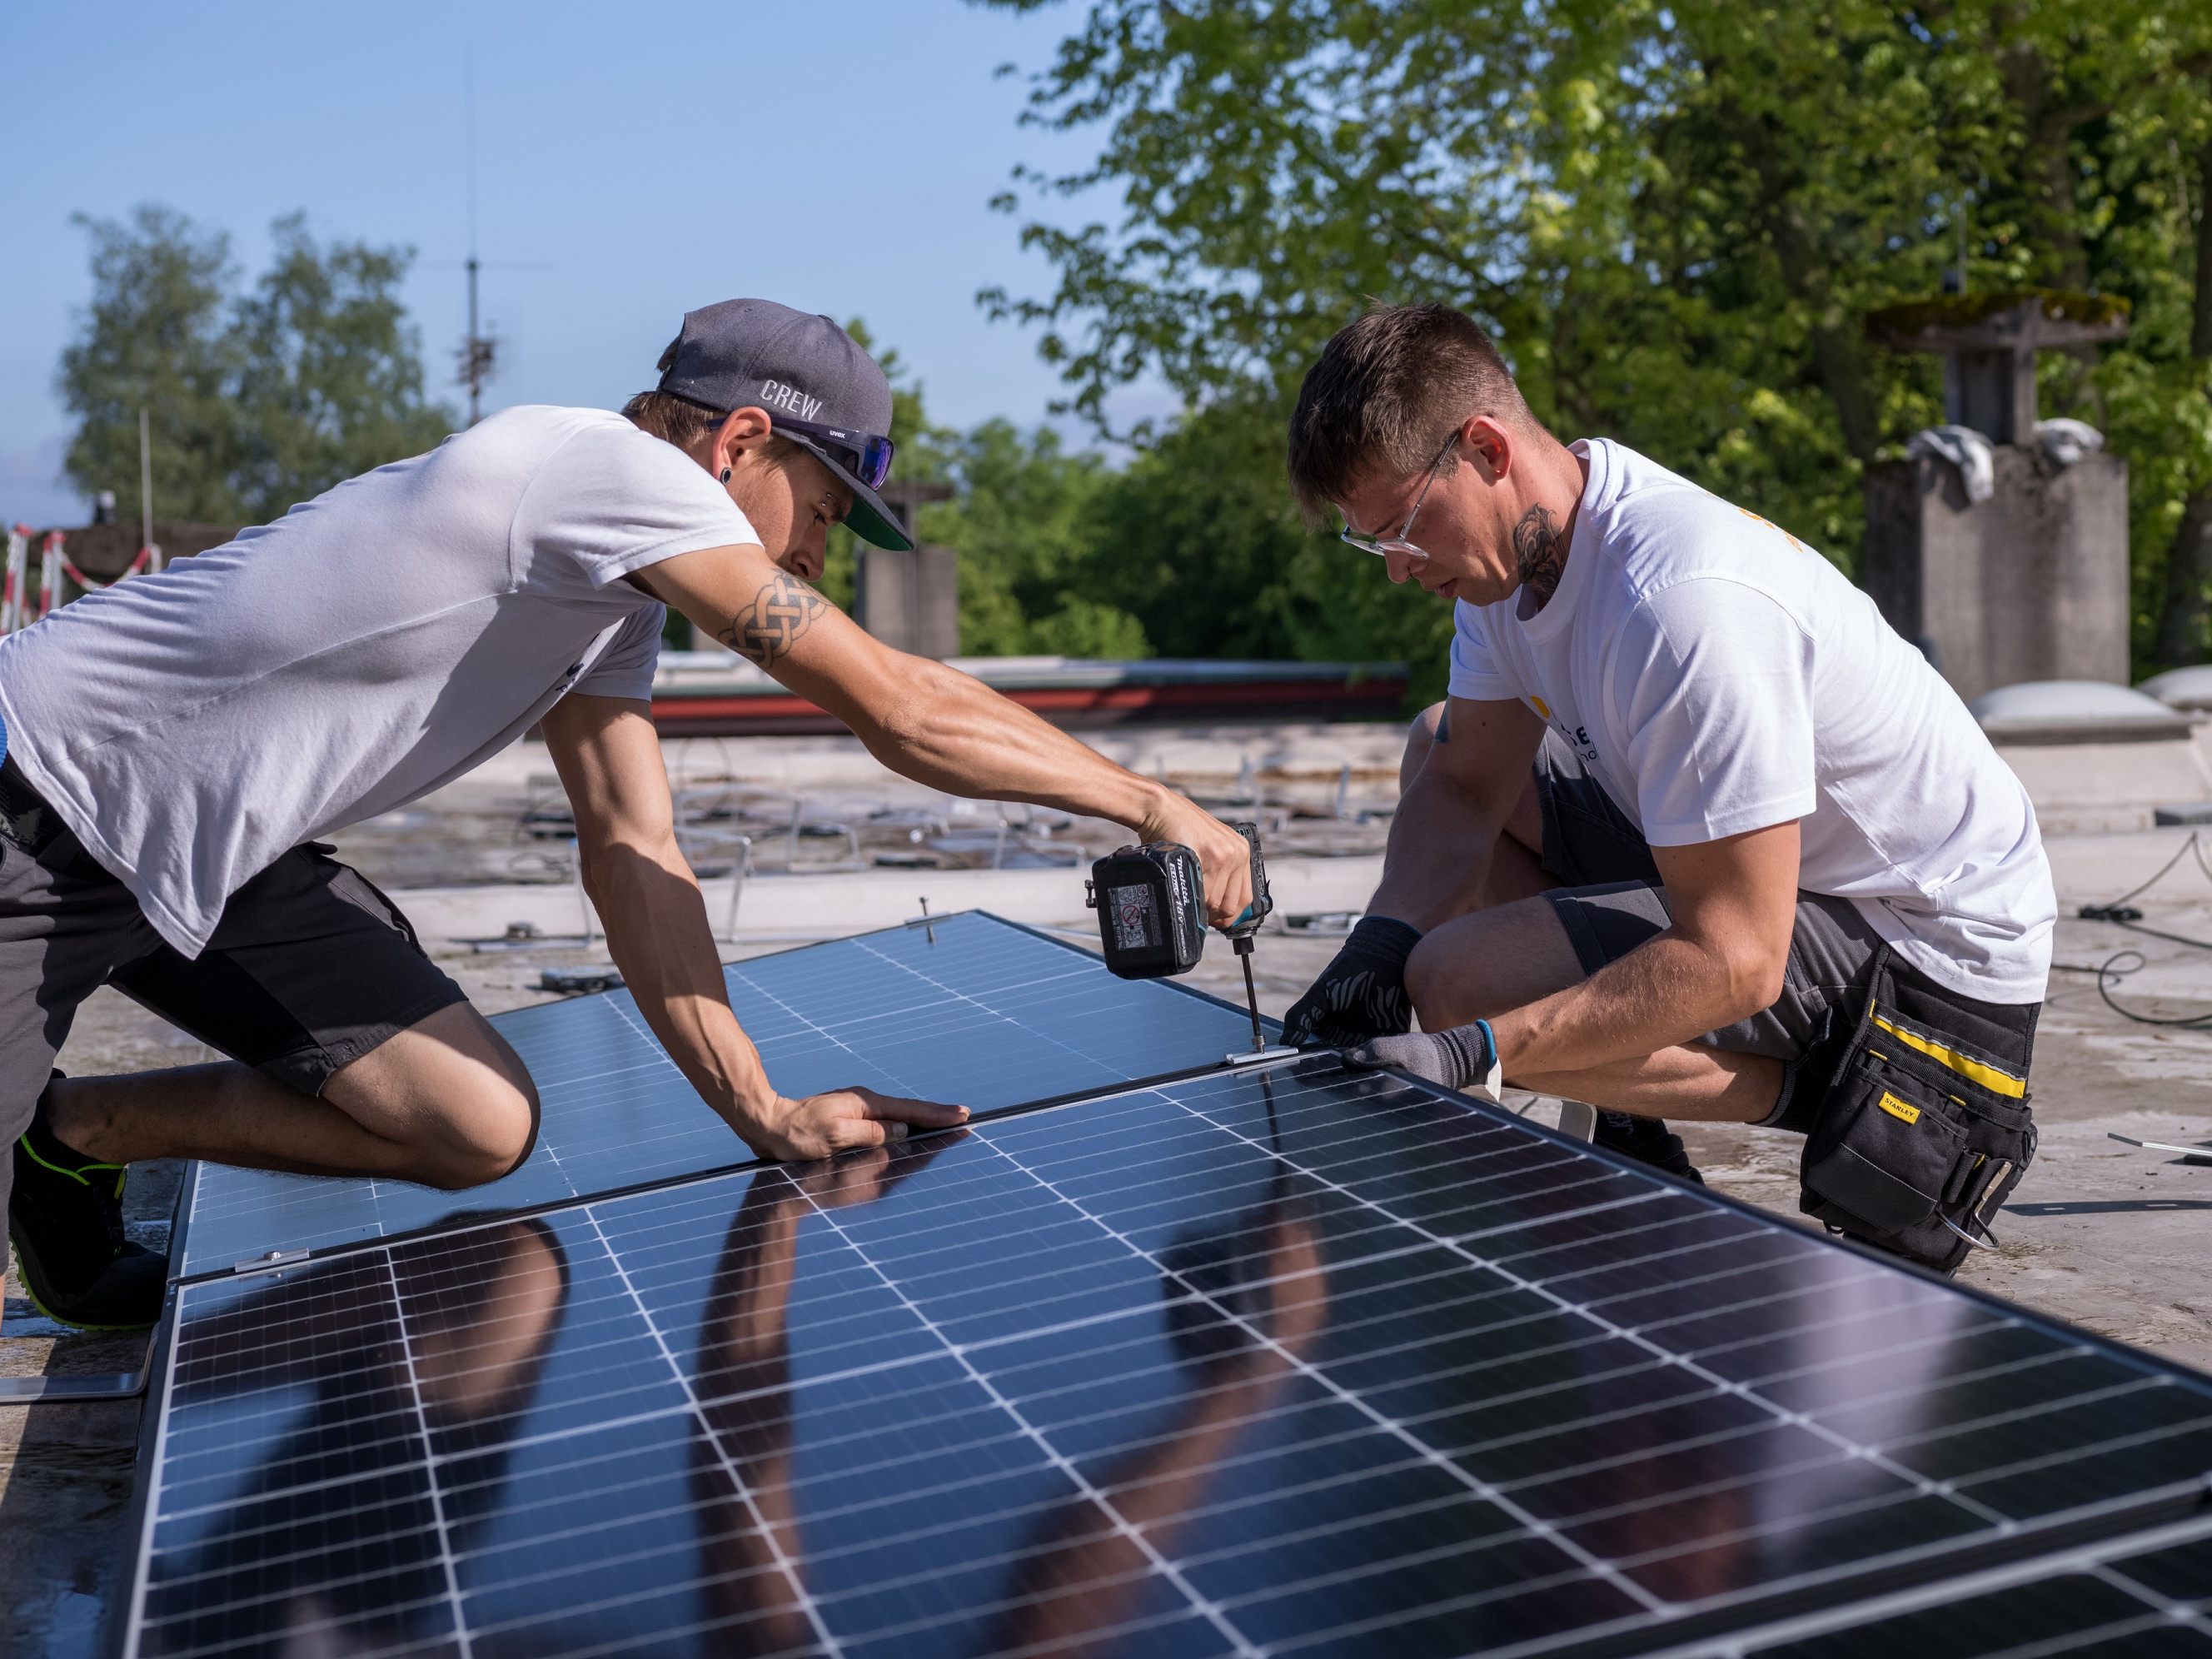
(1689, 796)
(175, 746)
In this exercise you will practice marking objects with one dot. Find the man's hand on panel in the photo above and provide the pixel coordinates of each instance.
(799, 1130)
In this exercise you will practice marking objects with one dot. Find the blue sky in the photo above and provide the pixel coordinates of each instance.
(649, 156)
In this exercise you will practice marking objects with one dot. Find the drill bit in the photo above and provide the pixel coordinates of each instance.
(1251, 994)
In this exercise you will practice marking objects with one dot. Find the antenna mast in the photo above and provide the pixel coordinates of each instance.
(476, 350)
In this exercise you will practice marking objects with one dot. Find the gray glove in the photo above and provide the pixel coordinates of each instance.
(1362, 992)
(1465, 1057)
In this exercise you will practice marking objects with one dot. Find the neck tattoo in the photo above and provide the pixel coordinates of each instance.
(1539, 548)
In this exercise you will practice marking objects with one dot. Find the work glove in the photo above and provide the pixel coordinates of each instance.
(1465, 1057)
(1362, 992)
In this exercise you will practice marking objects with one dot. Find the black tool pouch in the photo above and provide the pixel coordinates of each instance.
(1921, 1139)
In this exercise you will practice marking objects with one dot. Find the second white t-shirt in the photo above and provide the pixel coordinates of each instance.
(1716, 676)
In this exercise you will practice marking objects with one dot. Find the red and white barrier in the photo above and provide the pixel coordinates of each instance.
(87, 584)
(55, 567)
(14, 583)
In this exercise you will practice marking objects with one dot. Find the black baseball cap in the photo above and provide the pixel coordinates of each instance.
(820, 389)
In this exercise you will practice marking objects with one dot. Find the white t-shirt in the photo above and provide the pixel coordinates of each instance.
(368, 647)
(1717, 675)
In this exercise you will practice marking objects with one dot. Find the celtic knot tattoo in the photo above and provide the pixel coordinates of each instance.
(768, 627)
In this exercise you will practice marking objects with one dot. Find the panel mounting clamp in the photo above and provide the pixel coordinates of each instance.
(262, 1264)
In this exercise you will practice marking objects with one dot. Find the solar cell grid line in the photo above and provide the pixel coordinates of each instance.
(1903, 1279)
(2147, 1592)
(1431, 1454)
(973, 1008)
(950, 1388)
(1200, 1604)
(1225, 1308)
(972, 1001)
(783, 1561)
(461, 1640)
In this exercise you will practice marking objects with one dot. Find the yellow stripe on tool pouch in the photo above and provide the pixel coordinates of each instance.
(1997, 1082)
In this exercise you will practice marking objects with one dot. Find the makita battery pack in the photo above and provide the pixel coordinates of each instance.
(1150, 901)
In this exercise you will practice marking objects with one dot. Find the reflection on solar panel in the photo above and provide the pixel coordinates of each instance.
(972, 1010)
(1286, 1361)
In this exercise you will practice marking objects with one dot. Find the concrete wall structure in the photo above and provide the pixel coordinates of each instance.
(2029, 585)
(911, 600)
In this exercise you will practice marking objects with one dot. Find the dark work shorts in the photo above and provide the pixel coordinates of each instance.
(1611, 901)
(309, 969)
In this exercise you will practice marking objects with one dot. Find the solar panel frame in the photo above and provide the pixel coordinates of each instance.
(2114, 1563)
(215, 1248)
(1724, 1625)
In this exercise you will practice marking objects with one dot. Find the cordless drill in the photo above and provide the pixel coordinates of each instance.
(1150, 901)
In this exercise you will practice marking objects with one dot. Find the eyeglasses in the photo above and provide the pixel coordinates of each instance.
(1381, 546)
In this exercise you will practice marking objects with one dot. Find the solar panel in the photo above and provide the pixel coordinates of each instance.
(971, 1009)
(1290, 1360)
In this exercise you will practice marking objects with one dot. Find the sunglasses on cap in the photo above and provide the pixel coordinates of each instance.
(866, 454)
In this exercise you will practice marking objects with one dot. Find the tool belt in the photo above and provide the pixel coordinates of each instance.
(1924, 1134)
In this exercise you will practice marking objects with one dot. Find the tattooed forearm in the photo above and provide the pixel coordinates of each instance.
(768, 627)
(1541, 549)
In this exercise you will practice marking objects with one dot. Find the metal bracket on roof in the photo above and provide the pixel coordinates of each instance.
(2189, 1154)
(81, 1386)
(53, 1390)
(269, 1263)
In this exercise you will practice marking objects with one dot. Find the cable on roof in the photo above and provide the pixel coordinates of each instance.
(2119, 913)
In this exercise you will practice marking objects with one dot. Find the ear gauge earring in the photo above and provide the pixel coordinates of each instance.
(725, 475)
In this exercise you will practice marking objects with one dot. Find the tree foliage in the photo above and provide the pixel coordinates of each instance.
(258, 398)
(1673, 216)
(1021, 521)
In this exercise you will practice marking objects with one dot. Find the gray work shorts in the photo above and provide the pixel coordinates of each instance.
(1611, 901)
(309, 969)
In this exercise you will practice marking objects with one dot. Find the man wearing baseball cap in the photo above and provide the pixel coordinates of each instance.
(175, 746)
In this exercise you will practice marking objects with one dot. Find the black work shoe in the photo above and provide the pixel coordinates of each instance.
(1647, 1140)
(65, 1220)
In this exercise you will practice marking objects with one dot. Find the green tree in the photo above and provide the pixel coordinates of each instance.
(1023, 527)
(330, 376)
(156, 335)
(257, 399)
(2156, 388)
(1019, 522)
(1673, 216)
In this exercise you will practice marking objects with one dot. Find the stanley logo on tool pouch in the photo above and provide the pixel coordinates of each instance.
(1898, 1108)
